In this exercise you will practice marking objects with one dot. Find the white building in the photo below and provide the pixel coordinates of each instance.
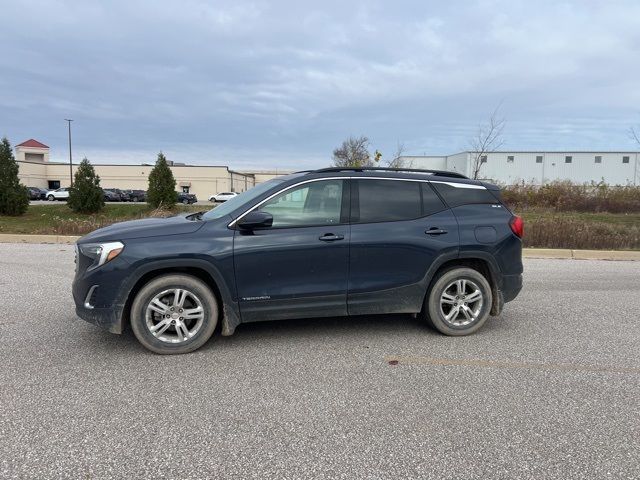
(614, 168)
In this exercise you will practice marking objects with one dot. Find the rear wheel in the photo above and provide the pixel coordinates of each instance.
(174, 314)
(459, 301)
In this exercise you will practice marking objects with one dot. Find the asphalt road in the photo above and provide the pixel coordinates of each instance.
(550, 389)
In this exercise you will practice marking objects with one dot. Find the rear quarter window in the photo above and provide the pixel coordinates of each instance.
(456, 196)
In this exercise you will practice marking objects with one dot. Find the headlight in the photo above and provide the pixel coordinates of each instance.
(101, 253)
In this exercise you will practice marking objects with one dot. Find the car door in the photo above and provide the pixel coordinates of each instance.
(298, 267)
(398, 228)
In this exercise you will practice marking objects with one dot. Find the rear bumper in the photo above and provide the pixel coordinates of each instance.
(511, 286)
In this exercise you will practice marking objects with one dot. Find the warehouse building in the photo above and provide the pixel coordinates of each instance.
(35, 170)
(538, 167)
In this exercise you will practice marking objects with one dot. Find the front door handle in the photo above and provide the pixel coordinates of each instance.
(330, 237)
(435, 231)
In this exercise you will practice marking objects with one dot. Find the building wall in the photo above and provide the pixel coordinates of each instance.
(203, 181)
(459, 162)
(582, 169)
(427, 162)
(32, 154)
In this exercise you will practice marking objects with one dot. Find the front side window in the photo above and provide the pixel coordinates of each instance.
(313, 203)
(538, 158)
(598, 158)
(625, 159)
(510, 158)
(568, 159)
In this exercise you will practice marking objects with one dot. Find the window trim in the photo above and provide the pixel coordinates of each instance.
(261, 202)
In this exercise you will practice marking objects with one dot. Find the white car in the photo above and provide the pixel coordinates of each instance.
(222, 197)
(59, 194)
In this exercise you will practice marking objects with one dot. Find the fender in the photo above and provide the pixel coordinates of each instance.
(230, 317)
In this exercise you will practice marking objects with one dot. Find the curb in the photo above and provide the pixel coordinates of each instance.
(570, 254)
(61, 239)
(540, 253)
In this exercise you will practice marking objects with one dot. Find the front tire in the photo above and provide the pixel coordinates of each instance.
(51, 198)
(174, 314)
(459, 301)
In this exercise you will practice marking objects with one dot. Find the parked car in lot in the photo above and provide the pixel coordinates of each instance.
(331, 242)
(187, 198)
(222, 196)
(119, 195)
(36, 193)
(111, 196)
(136, 195)
(59, 194)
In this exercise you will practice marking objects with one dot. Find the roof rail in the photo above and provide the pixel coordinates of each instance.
(436, 173)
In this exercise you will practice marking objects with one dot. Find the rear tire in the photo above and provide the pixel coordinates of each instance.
(174, 314)
(459, 302)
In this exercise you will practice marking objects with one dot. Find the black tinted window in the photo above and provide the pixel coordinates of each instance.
(431, 203)
(456, 196)
(387, 201)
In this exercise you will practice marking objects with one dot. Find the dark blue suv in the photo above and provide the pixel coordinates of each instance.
(330, 242)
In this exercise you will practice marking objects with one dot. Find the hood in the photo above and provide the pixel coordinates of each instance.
(148, 227)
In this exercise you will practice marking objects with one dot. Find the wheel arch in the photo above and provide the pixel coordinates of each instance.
(229, 315)
(482, 262)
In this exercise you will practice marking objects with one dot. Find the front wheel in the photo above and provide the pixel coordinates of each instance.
(174, 314)
(459, 301)
(51, 198)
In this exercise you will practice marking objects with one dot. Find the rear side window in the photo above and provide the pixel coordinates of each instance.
(393, 200)
(456, 196)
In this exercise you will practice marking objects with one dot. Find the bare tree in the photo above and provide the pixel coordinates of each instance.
(634, 134)
(487, 139)
(354, 152)
(397, 161)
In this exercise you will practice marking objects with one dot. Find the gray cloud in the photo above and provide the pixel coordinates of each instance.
(266, 84)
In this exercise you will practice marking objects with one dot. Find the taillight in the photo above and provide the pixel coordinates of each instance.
(517, 226)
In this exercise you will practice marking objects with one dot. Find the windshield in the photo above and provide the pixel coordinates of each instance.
(245, 197)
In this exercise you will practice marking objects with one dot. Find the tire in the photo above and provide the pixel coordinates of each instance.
(51, 198)
(447, 294)
(170, 338)
(134, 199)
(185, 202)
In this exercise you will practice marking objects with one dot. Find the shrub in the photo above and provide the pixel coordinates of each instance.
(14, 198)
(85, 196)
(162, 185)
(565, 196)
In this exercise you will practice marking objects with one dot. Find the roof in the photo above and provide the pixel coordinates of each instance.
(32, 144)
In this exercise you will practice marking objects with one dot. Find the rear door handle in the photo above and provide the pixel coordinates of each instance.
(330, 237)
(435, 231)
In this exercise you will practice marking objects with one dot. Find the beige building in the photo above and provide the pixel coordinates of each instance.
(37, 171)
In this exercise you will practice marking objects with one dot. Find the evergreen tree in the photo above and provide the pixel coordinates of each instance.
(14, 198)
(86, 195)
(162, 185)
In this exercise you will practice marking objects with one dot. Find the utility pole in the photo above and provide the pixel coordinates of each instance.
(70, 157)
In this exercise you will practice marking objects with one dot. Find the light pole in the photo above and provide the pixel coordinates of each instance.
(68, 120)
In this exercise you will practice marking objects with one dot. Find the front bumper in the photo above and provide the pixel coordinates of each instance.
(108, 318)
(99, 295)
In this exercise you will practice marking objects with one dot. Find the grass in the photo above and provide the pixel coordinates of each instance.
(544, 228)
(61, 220)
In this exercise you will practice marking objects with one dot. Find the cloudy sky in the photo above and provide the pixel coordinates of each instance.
(279, 84)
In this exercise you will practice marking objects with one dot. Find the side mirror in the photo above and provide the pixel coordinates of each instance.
(255, 219)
